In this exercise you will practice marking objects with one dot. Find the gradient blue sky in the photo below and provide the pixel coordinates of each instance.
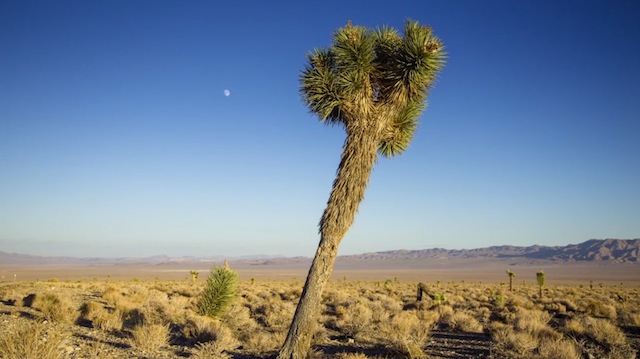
(116, 138)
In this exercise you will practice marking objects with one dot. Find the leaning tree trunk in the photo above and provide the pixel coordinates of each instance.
(358, 157)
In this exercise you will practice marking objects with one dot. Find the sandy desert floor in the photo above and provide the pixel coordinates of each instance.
(370, 310)
(470, 270)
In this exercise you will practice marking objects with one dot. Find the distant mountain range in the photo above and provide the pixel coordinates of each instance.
(600, 250)
(609, 250)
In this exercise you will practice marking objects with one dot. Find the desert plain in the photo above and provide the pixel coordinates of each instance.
(370, 310)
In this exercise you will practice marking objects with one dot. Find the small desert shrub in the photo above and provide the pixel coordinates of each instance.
(209, 350)
(532, 321)
(264, 341)
(107, 320)
(604, 332)
(354, 320)
(88, 310)
(111, 295)
(156, 311)
(558, 349)
(275, 314)
(520, 302)
(219, 292)
(31, 340)
(512, 344)
(213, 338)
(54, 308)
(150, 338)
(631, 319)
(462, 321)
(10, 296)
(204, 329)
(599, 308)
(445, 311)
(406, 334)
(94, 314)
(601, 337)
(238, 319)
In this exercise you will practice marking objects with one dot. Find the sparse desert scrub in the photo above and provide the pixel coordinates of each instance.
(150, 338)
(513, 344)
(354, 319)
(367, 319)
(600, 338)
(461, 321)
(55, 307)
(9, 295)
(630, 317)
(406, 334)
(96, 315)
(22, 339)
(558, 349)
(536, 323)
(201, 329)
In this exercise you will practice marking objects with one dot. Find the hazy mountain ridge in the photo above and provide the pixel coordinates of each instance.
(600, 250)
(609, 250)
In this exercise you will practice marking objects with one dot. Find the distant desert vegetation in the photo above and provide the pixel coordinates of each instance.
(483, 303)
(158, 318)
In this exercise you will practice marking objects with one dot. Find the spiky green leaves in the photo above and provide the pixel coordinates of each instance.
(400, 130)
(219, 291)
(375, 78)
(319, 86)
(353, 49)
(420, 59)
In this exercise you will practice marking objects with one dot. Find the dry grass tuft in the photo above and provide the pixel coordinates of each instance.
(150, 338)
(55, 308)
(511, 344)
(214, 340)
(354, 320)
(381, 319)
(203, 329)
(31, 340)
(461, 321)
(600, 337)
(406, 334)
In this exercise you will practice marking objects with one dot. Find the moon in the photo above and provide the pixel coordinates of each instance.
(226, 93)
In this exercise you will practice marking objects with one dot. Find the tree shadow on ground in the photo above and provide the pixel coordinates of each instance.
(458, 345)
(114, 344)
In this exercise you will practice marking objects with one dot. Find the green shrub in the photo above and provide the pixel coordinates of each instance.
(219, 292)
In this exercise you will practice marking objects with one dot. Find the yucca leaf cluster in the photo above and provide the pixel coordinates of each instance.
(374, 78)
(219, 291)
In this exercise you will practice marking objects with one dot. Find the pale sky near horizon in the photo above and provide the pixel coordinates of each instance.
(117, 139)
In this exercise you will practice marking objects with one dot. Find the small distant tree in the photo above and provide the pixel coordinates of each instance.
(219, 292)
(511, 275)
(541, 278)
(194, 275)
(422, 289)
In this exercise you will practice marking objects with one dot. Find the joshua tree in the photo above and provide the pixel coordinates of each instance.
(219, 291)
(374, 84)
(194, 275)
(540, 276)
(511, 276)
(422, 289)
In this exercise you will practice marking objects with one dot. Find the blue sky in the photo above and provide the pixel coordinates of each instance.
(116, 138)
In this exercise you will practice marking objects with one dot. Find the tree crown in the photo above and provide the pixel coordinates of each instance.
(374, 78)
